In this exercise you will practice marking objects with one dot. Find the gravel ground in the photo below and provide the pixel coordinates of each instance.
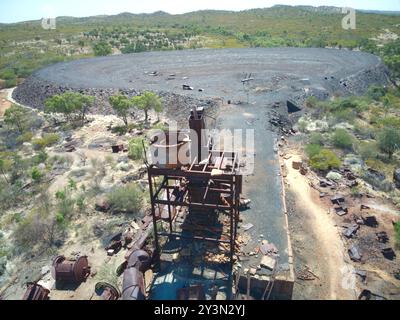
(281, 72)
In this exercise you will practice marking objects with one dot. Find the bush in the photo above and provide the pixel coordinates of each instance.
(316, 139)
(46, 141)
(342, 139)
(376, 93)
(368, 150)
(128, 199)
(397, 231)
(25, 137)
(311, 102)
(312, 150)
(36, 229)
(325, 160)
(36, 175)
(135, 151)
(102, 49)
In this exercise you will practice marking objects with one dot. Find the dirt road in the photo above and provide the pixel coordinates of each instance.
(323, 237)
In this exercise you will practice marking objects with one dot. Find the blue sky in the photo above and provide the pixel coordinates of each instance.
(21, 10)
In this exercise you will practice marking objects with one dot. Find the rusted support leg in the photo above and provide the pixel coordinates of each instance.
(171, 229)
(153, 213)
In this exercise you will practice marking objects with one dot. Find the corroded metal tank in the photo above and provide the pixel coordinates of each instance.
(170, 149)
(72, 271)
(134, 287)
(36, 292)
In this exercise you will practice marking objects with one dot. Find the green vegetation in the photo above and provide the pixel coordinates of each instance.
(127, 199)
(325, 160)
(16, 117)
(397, 230)
(46, 141)
(122, 105)
(148, 101)
(102, 49)
(389, 140)
(72, 105)
(135, 151)
(26, 46)
(342, 139)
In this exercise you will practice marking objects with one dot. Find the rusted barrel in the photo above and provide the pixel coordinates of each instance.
(133, 285)
(72, 271)
(36, 292)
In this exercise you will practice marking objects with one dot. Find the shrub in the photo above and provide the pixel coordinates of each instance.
(325, 160)
(368, 150)
(316, 139)
(127, 199)
(46, 141)
(312, 150)
(342, 139)
(376, 93)
(36, 228)
(397, 231)
(25, 137)
(135, 151)
(311, 102)
(102, 49)
(36, 175)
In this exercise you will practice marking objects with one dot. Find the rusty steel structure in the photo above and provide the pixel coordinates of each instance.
(36, 292)
(210, 184)
(71, 271)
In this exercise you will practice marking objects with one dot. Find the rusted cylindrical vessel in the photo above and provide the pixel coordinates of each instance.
(133, 286)
(72, 271)
(170, 149)
(36, 292)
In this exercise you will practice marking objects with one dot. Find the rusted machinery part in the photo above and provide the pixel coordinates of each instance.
(36, 292)
(75, 271)
(140, 260)
(133, 285)
(107, 291)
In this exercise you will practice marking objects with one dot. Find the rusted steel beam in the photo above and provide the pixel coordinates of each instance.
(194, 205)
(188, 174)
(177, 235)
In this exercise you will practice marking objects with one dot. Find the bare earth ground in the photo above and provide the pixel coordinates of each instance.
(4, 103)
(319, 246)
(316, 241)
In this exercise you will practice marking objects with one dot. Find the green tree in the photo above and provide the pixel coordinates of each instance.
(121, 105)
(69, 103)
(17, 117)
(102, 49)
(389, 140)
(148, 101)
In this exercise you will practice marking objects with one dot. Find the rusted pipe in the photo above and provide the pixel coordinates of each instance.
(133, 285)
